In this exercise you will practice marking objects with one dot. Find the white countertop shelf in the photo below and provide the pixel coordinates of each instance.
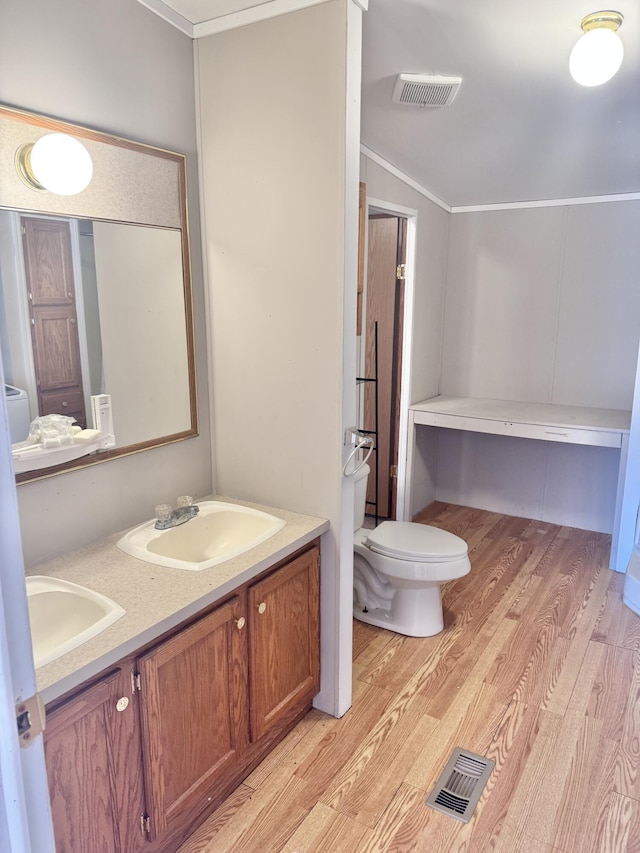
(541, 421)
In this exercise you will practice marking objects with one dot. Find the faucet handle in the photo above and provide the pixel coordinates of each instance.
(185, 500)
(162, 512)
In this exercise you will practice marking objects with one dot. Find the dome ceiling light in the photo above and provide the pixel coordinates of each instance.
(597, 55)
(56, 162)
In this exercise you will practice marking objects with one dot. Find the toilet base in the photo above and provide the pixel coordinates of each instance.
(412, 612)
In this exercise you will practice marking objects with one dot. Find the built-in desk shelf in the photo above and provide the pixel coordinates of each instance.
(542, 421)
(538, 421)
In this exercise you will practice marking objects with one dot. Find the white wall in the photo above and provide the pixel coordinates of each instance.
(275, 169)
(543, 305)
(118, 67)
(432, 234)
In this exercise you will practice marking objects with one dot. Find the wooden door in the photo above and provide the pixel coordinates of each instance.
(284, 641)
(54, 322)
(384, 307)
(92, 751)
(194, 715)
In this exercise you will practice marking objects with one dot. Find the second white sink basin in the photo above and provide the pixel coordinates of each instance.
(64, 615)
(219, 532)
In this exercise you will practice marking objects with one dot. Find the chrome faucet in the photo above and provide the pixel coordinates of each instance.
(167, 517)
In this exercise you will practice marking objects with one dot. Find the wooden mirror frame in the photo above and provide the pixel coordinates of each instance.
(135, 205)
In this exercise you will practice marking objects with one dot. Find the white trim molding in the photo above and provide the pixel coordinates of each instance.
(170, 15)
(549, 202)
(384, 164)
(252, 15)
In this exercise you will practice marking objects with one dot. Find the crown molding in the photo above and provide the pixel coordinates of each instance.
(169, 15)
(549, 202)
(389, 167)
(253, 15)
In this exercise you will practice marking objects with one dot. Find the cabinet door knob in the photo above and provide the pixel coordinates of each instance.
(240, 623)
(122, 704)
(262, 607)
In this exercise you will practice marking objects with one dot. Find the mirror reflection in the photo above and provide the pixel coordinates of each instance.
(90, 307)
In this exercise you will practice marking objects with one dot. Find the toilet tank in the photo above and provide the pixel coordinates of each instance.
(360, 496)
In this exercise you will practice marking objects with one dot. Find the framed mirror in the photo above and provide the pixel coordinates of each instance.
(95, 294)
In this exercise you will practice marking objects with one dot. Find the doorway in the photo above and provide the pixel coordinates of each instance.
(384, 360)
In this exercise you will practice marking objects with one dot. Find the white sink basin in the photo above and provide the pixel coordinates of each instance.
(64, 615)
(219, 532)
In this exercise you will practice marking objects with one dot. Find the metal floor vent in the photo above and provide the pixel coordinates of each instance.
(461, 784)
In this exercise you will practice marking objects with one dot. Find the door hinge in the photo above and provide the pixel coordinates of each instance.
(136, 682)
(393, 472)
(401, 271)
(30, 719)
(145, 824)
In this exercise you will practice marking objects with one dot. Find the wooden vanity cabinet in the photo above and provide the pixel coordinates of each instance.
(92, 750)
(194, 714)
(284, 647)
(137, 760)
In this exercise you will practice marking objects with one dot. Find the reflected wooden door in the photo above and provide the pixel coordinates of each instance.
(384, 306)
(54, 322)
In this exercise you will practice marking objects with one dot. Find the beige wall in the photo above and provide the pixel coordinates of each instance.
(274, 166)
(273, 189)
(117, 67)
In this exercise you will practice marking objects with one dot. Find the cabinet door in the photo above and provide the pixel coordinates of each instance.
(92, 751)
(194, 715)
(284, 638)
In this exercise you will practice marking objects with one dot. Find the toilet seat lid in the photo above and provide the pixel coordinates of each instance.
(420, 543)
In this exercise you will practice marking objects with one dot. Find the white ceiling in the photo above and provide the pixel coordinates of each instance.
(520, 128)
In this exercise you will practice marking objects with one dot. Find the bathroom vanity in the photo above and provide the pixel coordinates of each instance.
(153, 723)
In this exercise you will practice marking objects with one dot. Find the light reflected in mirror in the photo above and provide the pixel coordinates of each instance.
(98, 306)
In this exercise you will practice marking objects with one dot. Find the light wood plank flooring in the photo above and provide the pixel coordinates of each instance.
(538, 668)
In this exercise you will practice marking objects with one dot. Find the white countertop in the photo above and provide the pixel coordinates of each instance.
(155, 598)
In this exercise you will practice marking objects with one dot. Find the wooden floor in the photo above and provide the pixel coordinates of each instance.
(538, 668)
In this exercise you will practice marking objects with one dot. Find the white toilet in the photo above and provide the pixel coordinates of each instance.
(398, 569)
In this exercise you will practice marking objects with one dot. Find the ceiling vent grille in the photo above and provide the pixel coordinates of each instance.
(425, 90)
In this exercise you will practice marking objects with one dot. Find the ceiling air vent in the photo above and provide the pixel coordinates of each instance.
(425, 90)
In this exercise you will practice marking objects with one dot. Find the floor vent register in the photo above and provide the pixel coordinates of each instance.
(461, 784)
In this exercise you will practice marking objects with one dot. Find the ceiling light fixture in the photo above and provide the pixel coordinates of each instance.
(56, 162)
(597, 55)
